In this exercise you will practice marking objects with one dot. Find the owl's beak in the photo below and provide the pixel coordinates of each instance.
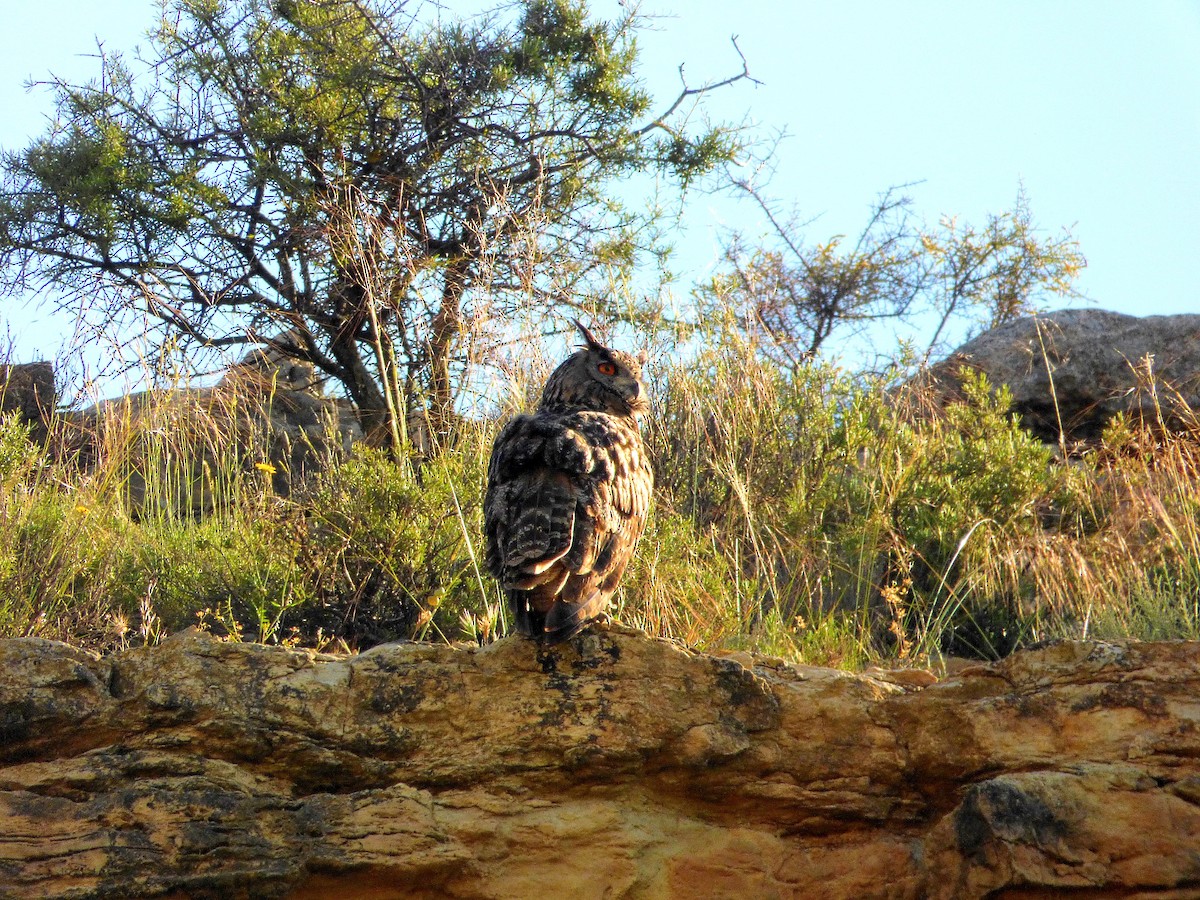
(639, 403)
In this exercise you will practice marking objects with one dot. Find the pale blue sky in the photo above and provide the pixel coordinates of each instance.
(1094, 105)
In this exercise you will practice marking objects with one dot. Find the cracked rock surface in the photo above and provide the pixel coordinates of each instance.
(613, 766)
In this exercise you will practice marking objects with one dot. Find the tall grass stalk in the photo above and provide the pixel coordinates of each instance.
(812, 514)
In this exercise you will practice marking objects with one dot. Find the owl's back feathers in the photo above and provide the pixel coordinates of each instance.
(568, 492)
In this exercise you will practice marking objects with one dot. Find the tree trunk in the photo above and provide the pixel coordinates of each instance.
(444, 337)
(344, 334)
(364, 390)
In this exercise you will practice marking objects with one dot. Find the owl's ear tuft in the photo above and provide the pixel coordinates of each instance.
(643, 356)
(590, 342)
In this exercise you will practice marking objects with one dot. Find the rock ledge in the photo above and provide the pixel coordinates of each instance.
(615, 766)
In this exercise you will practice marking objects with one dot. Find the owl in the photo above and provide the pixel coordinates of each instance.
(568, 491)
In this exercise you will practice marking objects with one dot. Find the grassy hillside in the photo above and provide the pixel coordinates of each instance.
(812, 516)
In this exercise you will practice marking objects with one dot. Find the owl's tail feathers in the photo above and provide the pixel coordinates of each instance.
(566, 619)
(526, 620)
(562, 621)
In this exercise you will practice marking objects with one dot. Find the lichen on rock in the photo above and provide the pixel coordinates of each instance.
(615, 765)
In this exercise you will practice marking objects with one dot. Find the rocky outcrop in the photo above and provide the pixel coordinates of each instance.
(613, 766)
(1073, 370)
(267, 409)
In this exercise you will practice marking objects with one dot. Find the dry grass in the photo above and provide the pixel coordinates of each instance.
(809, 516)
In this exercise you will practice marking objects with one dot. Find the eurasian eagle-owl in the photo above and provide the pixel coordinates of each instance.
(568, 491)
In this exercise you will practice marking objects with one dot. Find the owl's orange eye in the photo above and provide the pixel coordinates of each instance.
(607, 368)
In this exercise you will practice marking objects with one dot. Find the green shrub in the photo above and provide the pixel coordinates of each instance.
(974, 482)
(394, 551)
(805, 513)
(681, 585)
(823, 492)
(239, 574)
(52, 553)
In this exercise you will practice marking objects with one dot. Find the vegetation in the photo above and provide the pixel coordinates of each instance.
(376, 184)
(410, 202)
(813, 516)
(792, 300)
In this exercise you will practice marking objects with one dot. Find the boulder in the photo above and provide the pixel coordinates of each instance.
(28, 389)
(613, 766)
(285, 405)
(1071, 371)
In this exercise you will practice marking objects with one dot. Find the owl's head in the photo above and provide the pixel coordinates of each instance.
(598, 378)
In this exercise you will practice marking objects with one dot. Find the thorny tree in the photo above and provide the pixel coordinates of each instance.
(352, 172)
(787, 298)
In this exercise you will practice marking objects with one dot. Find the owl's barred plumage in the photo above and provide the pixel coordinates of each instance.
(568, 491)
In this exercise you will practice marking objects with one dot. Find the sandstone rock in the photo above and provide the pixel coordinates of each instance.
(613, 766)
(1075, 369)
